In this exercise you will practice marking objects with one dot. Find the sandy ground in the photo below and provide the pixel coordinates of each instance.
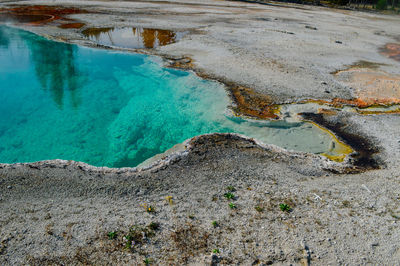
(60, 212)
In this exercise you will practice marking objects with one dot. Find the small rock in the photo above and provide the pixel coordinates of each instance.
(339, 42)
(311, 27)
(9, 187)
(324, 83)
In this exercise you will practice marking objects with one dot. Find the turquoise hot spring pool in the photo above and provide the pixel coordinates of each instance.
(115, 109)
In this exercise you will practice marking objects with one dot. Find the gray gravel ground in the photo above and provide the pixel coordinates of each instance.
(59, 212)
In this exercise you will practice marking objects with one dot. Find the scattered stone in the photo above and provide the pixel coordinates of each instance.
(311, 27)
(9, 187)
(339, 42)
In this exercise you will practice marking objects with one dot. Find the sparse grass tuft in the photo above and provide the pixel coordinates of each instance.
(112, 235)
(214, 224)
(138, 235)
(232, 205)
(284, 207)
(229, 195)
(148, 261)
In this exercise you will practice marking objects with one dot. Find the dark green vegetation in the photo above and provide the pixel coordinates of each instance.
(232, 205)
(229, 195)
(112, 235)
(284, 207)
(147, 261)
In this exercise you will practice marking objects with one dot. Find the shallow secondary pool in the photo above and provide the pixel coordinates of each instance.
(114, 109)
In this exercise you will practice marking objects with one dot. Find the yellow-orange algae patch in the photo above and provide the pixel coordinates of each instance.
(253, 104)
(339, 150)
(372, 86)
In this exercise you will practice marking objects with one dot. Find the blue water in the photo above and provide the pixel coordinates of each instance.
(106, 108)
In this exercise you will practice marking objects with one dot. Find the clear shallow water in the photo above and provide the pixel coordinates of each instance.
(62, 101)
(134, 38)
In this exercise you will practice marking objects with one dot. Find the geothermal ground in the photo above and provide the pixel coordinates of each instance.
(217, 200)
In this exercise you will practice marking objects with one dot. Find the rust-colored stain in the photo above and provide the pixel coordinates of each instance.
(253, 104)
(392, 50)
(37, 15)
(76, 25)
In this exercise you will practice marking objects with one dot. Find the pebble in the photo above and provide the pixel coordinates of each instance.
(9, 187)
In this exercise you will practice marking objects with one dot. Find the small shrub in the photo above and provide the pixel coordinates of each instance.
(214, 224)
(229, 195)
(215, 251)
(232, 205)
(148, 261)
(112, 235)
(284, 207)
